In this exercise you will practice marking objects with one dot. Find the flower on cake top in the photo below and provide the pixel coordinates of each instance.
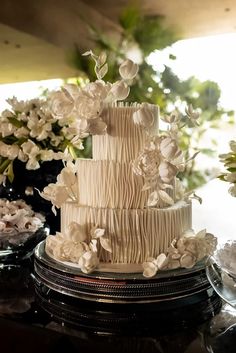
(184, 252)
(78, 247)
(85, 104)
(17, 216)
(64, 189)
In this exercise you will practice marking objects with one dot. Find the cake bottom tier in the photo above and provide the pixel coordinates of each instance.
(135, 234)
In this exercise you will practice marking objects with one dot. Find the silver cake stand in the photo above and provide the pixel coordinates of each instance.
(117, 287)
(120, 302)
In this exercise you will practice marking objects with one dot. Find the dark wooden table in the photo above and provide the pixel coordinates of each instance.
(26, 327)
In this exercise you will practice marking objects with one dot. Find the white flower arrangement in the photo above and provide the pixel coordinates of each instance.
(31, 134)
(229, 161)
(74, 247)
(184, 252)
(161, 159)
(17, 217)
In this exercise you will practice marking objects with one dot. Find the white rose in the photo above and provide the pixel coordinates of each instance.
(128, 69)
(61, 104)
(147, 164)
(87, 107)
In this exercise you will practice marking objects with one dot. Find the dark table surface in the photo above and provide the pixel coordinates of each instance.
(25, 326)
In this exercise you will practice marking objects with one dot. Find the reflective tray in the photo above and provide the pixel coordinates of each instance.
(12, 253)
(223, 282)
(118, 287)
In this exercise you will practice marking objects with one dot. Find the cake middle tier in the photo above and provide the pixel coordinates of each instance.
(111, 184)
(135, 235)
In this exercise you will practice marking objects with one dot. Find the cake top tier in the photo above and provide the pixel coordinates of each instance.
(127, 129)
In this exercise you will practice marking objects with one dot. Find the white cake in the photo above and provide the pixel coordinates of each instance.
(111, 196)
(123, 209)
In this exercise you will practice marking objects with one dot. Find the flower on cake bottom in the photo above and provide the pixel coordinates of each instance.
(72, 246)
(184, 252)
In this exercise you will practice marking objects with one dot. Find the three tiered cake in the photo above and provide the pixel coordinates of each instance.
(124, 210)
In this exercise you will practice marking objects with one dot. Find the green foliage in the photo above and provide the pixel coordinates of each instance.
(164, 88)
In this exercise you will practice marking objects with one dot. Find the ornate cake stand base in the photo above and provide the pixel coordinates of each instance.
(113, 301)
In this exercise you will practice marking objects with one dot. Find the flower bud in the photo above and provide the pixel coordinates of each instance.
(119, 90)
(128, 69)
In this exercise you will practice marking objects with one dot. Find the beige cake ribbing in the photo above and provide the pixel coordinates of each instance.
(124, 139)
(135, 234)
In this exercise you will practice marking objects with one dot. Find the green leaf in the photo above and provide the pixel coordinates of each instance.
(14, 121)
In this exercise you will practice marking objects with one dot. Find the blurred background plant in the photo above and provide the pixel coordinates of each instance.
(142, 36)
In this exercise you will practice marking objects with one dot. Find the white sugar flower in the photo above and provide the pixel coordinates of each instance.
(119, 91)
(169, 148)
(98, 89)
(144, 116)
(147, 164)
(167, 171)
(88, 261)
(128, 69)
(61, 103)
(55, 193)
(87, 106)
(153, 265)
(76, 232)
(71, 251)
(97, 127)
